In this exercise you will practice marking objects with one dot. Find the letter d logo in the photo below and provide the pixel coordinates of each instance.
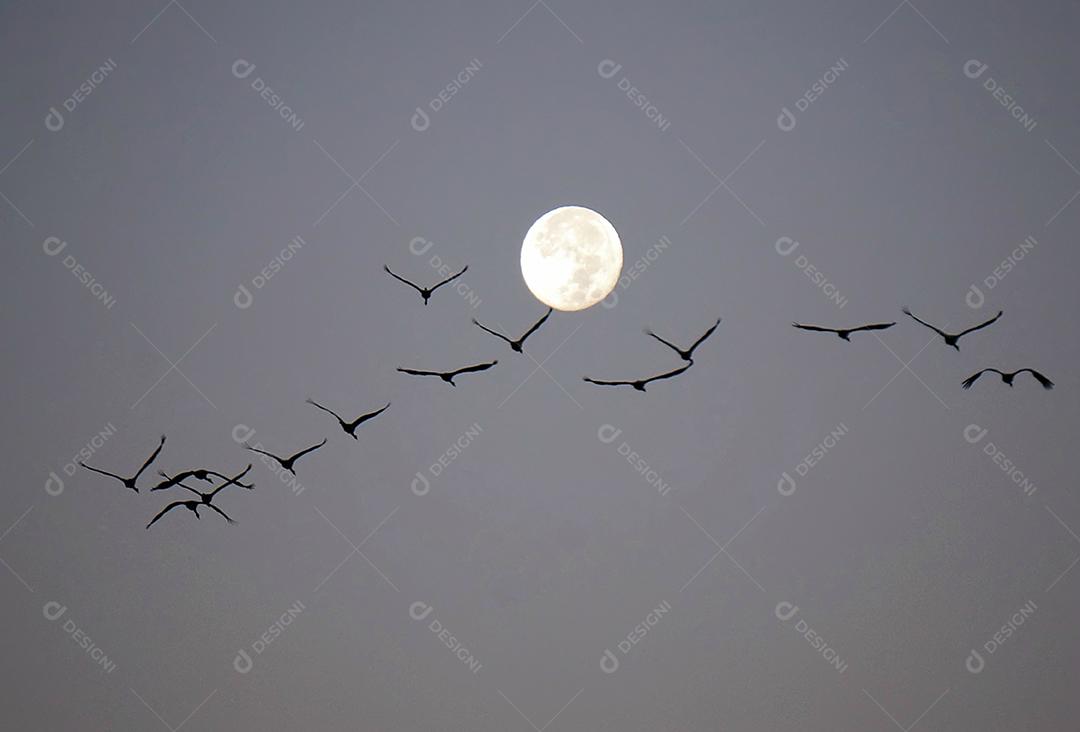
(242, 69)
(608, 68)
(242, 663)
(974, 298)
(54, 121)
(52, 610)
(786, 611)
(973, 69)
(419, 246)
(607, 433)
(53, 245)
(420, 120)
(786, 120)
(973, 433)
(54, 486)
(242, 429)
(608, 662)
(785, 245)
(243, 298)
(786, 484)
(420, 485)
(975, 663)
(419, 610)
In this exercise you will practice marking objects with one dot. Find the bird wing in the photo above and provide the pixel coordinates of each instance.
(263, 452)
(418, 372)
(973, 378)
(471, 369)
(165, 510)
(817, 328)
(371, 415)
(669, 374)
(536, 325)
(221, 512)
(981, 325)
(917, 320)
(451, 278)
(314, 403)
(1046, 383)
(235, 480)
(481, 326)
(103, 472)
(669, 344)
(606, 383)
(707, 333)
(304, 451)
(151, 458)
(874, 326)
(402, 279)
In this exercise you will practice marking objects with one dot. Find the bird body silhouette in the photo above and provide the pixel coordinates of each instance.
(844, 333)
(520, 342)
(205, 499)
(290, 461)
(952, 338)
(130, 482)
(640, 384)
(686, 354)
(1008, 377)
(201, 474)
(448, 376)
(350, 427)
(425, 292)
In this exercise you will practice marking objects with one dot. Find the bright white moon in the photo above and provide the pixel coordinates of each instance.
(571, 258)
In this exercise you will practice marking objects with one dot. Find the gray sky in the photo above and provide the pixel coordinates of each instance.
(539, 546)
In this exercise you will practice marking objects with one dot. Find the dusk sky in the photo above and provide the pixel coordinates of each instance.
(197, 201)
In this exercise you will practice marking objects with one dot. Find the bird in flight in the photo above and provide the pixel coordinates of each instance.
(288, 462)
(952, 338)
(448, 376)
(200, 474)
(514, 345)
(350, 427)
(1008, 377)
(130, 482)
(640, 383)
(204, 499)
(425, 292)
(844, 333)
(688, 354)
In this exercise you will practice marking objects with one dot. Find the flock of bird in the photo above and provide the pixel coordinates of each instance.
(205, 499)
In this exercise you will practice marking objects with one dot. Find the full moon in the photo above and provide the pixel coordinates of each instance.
(571, 258)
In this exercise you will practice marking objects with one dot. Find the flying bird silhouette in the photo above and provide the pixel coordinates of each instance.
(204, 498)
(952, 338)
(350, 427)
(425, 292)
(688, 354)
(844, 333)
(200, 474)
(448, 376)
(288, 462)
(515, 345)
(129, 482)
(640, 383)
(1008, 377)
